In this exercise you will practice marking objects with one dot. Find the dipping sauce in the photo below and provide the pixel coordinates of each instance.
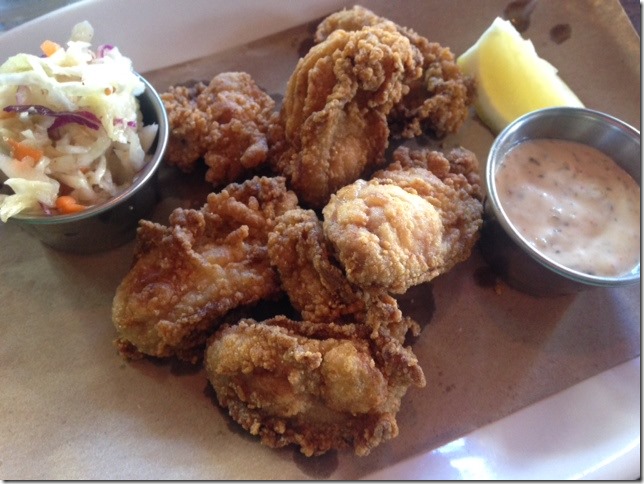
(573, 203)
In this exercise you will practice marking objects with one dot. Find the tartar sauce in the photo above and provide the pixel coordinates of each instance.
(573, 203)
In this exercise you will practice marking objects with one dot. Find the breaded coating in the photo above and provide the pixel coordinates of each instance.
(336, 106)
(317, 286)
(320, 386)
(350, 19)
(439, 100)
(458, 167)
(383, 235)
(187, 275)
(225, 123)
(335, 231)
(407, 225)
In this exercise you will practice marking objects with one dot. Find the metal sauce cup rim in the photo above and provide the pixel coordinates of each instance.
(495, 153)
(139, 179)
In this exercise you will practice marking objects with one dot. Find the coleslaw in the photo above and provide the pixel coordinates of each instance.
(70, 127)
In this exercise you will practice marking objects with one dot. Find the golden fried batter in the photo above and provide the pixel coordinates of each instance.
(439, 100)
(321, 386)
(186, 276)
(334, 379)
(407, 225)
(317, 286)
(458, 167)
(335, 109)
(225, 122)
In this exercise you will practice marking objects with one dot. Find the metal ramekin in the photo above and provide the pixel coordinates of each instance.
(507, 252)
(114, 222)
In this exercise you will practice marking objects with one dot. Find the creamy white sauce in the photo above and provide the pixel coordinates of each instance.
(573, 203)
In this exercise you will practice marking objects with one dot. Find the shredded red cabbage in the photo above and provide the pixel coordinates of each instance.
(103, 49)
(84, 118)
(122, 122)
(46, 209)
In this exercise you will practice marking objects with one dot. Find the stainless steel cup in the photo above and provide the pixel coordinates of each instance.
(507, 252)
(113, 223)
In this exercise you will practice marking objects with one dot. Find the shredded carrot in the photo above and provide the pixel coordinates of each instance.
(20, 151)
(48, 47)
(67, 204)
(7, 114)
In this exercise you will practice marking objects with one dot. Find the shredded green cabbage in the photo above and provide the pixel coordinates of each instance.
(92, 165)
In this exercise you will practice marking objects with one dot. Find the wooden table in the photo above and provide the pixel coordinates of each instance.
(634, 11)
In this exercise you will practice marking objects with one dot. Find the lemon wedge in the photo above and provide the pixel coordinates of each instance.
(511, 78)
